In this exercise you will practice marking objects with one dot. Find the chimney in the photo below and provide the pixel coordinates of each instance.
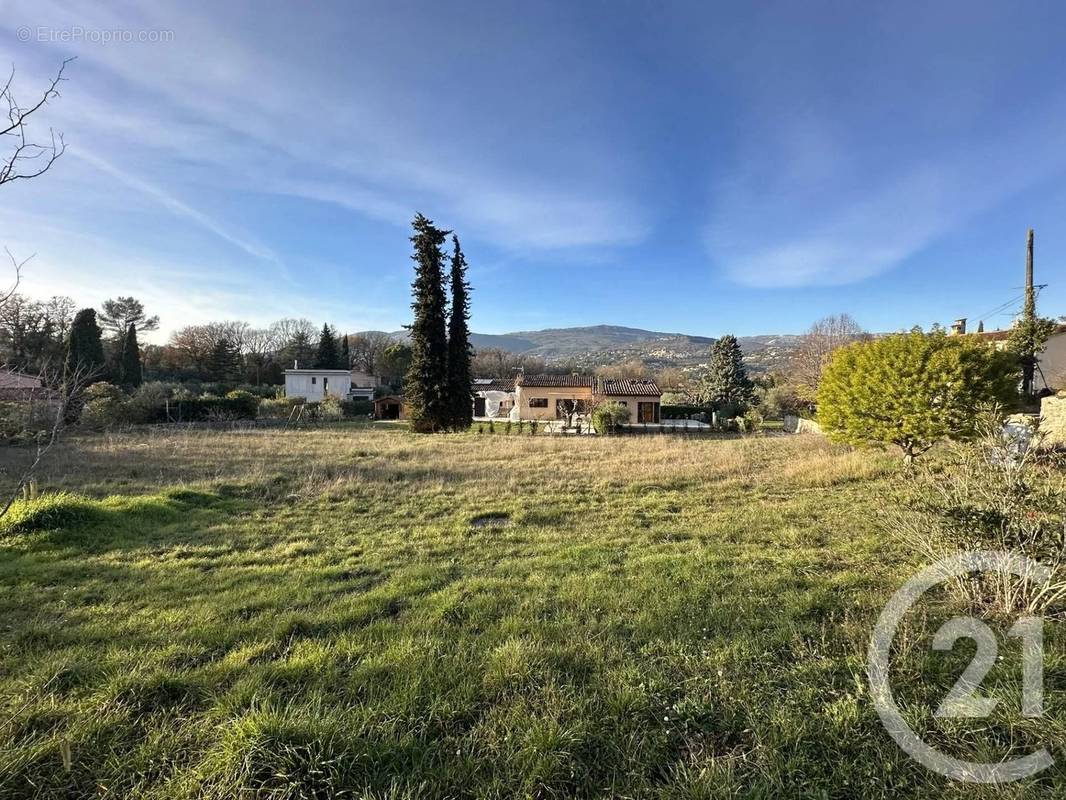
(958, 327)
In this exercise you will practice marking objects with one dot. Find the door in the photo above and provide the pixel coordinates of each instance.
(647, 412)
(479, 406)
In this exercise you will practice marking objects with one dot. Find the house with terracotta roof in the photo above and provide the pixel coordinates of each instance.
(16, 385)
(551, 397)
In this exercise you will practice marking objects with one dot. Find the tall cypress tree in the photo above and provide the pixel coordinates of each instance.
(726, 384)
(327, 356)
(426, 385)
(459, 352)
(85, 350)
(130, 362)
(346, 353)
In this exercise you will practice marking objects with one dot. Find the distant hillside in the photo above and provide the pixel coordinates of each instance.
(511, 342)
(607, 344)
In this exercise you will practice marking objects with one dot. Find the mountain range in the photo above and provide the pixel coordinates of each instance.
(606, 344)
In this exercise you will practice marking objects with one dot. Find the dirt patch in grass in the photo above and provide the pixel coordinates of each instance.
(495, 520)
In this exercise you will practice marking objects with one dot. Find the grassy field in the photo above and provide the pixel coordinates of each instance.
(363, 612)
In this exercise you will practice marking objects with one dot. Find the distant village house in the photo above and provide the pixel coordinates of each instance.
(317, 384)
(19, 386)
(547, 398)
(550, 397)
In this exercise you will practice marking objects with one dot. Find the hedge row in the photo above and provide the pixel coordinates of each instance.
(357, 408)
(198, 409)
(204, 408)
(683, 412)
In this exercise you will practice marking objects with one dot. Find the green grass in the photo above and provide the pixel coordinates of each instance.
(358, 611)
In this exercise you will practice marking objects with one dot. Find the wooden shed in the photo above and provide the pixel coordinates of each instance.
(391, 406)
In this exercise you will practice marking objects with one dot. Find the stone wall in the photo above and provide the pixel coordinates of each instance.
(793, 424)
(1053, 420)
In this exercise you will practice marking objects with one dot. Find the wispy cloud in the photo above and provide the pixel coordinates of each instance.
(820, 220)
(176, 206)
(372, 156)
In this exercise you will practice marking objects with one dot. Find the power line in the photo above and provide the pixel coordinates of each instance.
(999, 308)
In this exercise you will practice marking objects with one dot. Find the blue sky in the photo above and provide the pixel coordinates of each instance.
(704, 168)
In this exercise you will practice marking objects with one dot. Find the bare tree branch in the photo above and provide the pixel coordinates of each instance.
(17, 265)
(28, 159)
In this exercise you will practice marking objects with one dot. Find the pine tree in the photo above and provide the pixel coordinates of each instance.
(459, 352)
(130, 362)
(327, 356)
(425, 387)
(300, 350)
(117, 315)
(726, 384)
(224, 363)
(85, 350)
(346, 353)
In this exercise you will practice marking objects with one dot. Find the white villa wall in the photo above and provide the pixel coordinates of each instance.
(1053, 362)
(309, 384)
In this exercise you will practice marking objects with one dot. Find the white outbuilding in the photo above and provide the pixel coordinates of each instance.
(316, 384)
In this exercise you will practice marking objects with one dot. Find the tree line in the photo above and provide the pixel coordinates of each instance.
(232, 350)
(38, 335)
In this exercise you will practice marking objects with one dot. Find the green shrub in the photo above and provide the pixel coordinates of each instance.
(912, 389)
(667, 411)
(148, 403)
(329, 409)
(789, 398)
(25, 421)
(105, 405)
(198, 409)
(609, 416)
(280, 407)
(262, 391)
(750, 422)
(357, 408)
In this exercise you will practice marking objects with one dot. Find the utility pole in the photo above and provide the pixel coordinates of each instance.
(1029, 319)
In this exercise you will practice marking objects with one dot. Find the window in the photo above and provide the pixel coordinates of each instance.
(538, 402)
(314, 380)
